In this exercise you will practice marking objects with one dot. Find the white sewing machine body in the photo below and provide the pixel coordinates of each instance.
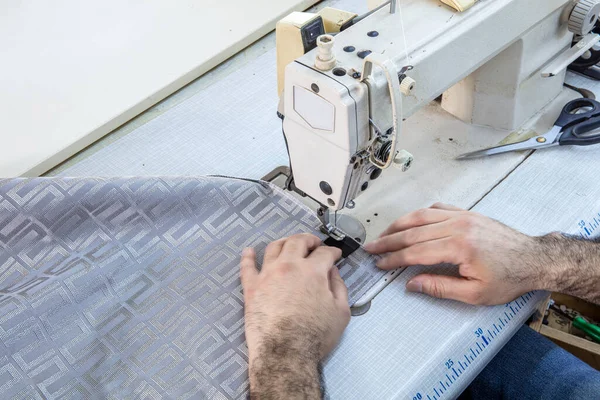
(486, 62)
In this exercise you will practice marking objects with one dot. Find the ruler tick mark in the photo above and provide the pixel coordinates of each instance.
(482, 342)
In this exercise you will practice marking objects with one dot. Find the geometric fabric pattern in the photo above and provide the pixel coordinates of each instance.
(129, 287)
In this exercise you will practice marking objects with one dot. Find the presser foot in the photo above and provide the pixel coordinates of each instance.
(345, 232)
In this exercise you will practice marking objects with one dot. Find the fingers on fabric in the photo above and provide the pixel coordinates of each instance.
(428, 253)
(323, 258)
(446, 287)
(420, 217)
(273, 250)
(299, 246)
(400, 240)
(248, 271)
(338, 288)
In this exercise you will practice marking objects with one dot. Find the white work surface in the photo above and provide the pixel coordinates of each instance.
(72, 71)
(225, 123)
(384, 355)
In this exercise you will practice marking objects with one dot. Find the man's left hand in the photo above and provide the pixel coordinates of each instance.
(296, 309)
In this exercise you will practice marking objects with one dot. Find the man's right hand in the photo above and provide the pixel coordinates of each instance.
(496, 263)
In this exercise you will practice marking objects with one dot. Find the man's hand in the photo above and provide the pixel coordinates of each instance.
(296, 309)
(496, 263)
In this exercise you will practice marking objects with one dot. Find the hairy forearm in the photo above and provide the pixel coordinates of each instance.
(280, 379)
(569, 265)
(286, 367)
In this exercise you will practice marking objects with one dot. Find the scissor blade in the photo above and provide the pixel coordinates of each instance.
(476, 154)
(550, 139)
(494, 150)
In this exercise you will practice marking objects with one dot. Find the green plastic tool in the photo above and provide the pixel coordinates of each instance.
(593, 331)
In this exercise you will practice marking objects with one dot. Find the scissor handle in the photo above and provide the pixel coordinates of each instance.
(576, 134)
(569, 116)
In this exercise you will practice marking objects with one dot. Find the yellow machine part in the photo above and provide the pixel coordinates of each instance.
(459, 5)
(333, 19)
(289, 37)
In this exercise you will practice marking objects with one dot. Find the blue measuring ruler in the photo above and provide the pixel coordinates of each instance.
(588, 228)
(485, 338)
(483, 343)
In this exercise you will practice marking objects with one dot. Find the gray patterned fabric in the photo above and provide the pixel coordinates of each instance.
(129, 288)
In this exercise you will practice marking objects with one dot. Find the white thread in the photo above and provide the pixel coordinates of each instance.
(403, 33)
(407, 62)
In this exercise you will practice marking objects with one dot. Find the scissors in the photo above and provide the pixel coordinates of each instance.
(575, 126)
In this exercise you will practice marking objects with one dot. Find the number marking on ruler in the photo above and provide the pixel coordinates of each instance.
(588, 227)
(454, 368)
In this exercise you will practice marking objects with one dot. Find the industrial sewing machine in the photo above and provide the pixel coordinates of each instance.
(347, 82)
